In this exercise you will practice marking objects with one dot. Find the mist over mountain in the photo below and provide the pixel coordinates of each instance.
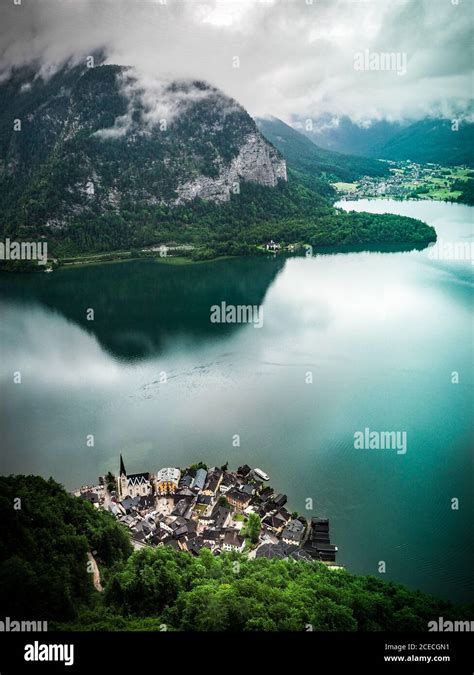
(437, 140)
(103, 158)
(98, 141)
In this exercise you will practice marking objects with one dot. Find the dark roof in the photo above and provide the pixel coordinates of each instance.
(180, 508)
(266, 493)
(319, 541)
(195, 545)
(213, 480)
(280, 500)
(186, 480)
(318, 544)
(274, 521)
(92, 497)
(293, 531)
(211, 535)
(179, 520)
(182, 529)
(244, 470)
(320, 521)
(281, 551)
(271, 551)
(146, 527)
(283, 514)
(138, 477)
(268, 506)
(184, 493)
(295, 526)
(146, 501)
(231, 538)
(122, 467)
(220, 515)
(300, 554)
(237, 495)
(129, 503)
(160, 536)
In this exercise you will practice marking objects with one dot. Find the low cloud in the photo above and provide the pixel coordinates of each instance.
(283, 58)
(153, 101)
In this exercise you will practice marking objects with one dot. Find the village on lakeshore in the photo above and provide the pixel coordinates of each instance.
(409, 180)
(215, 508)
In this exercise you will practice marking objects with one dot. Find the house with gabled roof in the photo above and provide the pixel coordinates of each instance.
(293, 532)
(238, 499)
(233, 541)
(199, 480)
(228, 481)
(167, 480)
(182, 508)
(211, 538)
(274, 523)
(213, 481)
(221, 516)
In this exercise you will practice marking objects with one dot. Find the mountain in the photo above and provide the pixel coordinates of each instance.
(101, 159)
(310, 158)
(428, 140)
(103, 142)
(105, 161)
(341, 134)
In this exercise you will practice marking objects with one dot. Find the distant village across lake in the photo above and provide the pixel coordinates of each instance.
(214, 508)
(410, 180)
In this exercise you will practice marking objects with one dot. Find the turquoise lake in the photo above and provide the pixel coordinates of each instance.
(387, 339)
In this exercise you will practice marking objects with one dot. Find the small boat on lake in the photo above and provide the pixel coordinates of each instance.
(261, 474)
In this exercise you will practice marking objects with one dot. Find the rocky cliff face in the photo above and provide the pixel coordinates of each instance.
(257, 161)
(104, 141)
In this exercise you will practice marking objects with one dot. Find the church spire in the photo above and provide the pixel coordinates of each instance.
(122, 467)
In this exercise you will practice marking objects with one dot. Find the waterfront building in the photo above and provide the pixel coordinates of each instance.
(133, 485)
(167, 481)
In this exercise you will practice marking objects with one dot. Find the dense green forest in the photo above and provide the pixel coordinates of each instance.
(43, 575)
(467, 189)
(289, 213)
(44, 540)
(312, 160)
(430, 140)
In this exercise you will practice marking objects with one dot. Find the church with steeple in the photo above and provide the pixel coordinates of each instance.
(134, 484)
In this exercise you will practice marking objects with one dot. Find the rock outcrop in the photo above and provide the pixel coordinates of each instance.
(256, 162)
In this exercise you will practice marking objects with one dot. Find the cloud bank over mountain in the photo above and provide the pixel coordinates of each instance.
(284, 58)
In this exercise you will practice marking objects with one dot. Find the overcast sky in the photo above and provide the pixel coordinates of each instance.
(295, 57)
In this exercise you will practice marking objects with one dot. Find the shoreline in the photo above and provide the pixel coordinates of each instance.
(121, 256)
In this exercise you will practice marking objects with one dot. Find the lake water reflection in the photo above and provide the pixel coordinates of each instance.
(380, 333)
